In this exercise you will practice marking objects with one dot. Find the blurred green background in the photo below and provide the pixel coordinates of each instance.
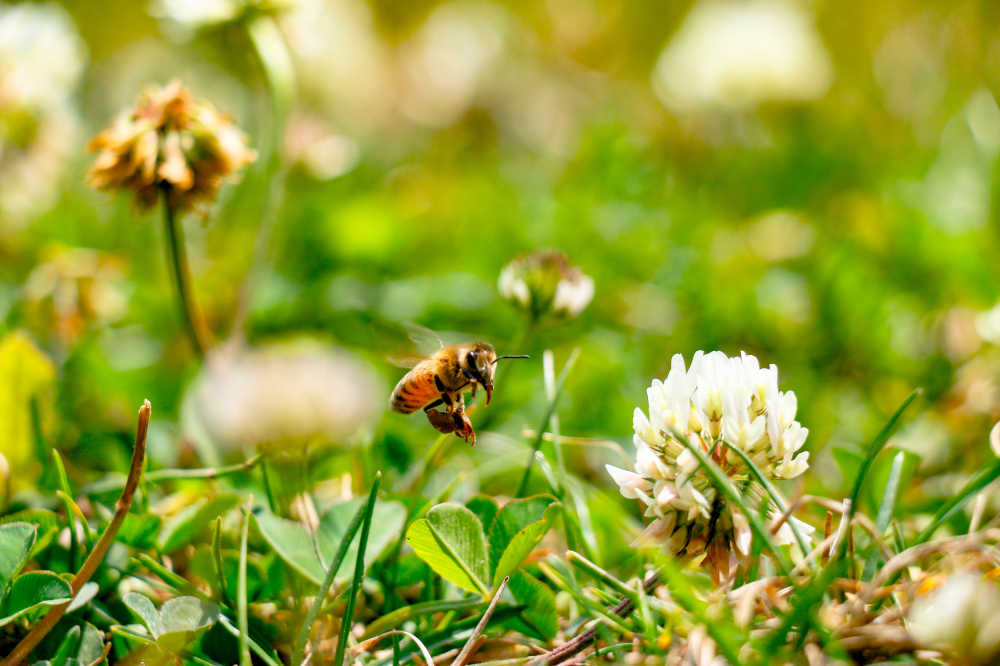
(811, 182)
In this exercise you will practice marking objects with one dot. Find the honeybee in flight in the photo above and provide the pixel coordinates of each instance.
(443, 379)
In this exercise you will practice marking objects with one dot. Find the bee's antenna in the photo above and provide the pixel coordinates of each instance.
(512, 356)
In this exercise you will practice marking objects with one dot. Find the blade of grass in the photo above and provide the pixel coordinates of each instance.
(241, 588)
(873, 450)
(726, 488)
(254, 646)
(571, 520)
(407, 613)
(113, 483)
(217, 560)
(974, 485)
(550, 410)
(171, 579)
(885, 509)
(67, 498)
(585, 565)
(359, 571)
(776, 497)
(363, 513)
(549, 378)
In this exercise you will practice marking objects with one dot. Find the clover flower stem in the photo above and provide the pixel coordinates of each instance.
(182, 279)
(93, 561)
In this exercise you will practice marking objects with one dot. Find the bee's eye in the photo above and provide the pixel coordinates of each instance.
(471, 359)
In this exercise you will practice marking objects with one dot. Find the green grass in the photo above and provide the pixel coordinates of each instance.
(850, 239)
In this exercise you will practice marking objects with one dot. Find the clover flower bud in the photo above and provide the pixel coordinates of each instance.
(545, 282)
(172, 143)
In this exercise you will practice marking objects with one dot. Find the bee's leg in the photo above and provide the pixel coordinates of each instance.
(442, 421)
(463, 426)
(445, 394)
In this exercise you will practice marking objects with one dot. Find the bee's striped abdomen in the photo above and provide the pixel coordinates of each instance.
(414, 390)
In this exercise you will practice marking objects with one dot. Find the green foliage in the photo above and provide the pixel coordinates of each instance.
(24, 593)
(849, 238)
(176, 624)
(294, 544)
(33, 590)
(26, 375)
(451, 540)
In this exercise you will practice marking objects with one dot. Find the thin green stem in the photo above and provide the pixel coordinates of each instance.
(773, 492)
(973, 486)
(540, 435)
(363, 513)
(241, 589)
(177, 255)
(359, 571)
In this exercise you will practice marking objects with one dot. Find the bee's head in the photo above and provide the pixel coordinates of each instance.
(480, 361)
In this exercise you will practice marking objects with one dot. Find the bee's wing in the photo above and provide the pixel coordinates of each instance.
(421, 342)
(428, 341)
(404, 361)
(425, 340)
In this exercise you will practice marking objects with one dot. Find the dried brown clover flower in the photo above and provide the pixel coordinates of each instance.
(171, 143)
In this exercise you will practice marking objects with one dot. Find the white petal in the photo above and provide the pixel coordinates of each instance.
(629, 483)
(665, 493)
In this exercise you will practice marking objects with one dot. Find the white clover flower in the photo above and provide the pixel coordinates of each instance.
(718, 401)
(545, 282)
(733, 55)
(290, 398)
(960, 618)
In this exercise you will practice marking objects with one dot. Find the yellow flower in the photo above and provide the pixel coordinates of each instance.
(171, 143)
